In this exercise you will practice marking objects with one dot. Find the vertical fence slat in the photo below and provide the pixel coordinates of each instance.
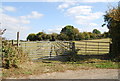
(98, 47)
(73, 46)
(12, 42)
(85, 46)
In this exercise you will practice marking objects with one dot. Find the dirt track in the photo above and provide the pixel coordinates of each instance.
(79, 74)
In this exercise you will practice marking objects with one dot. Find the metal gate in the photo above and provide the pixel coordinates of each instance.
(45, 49)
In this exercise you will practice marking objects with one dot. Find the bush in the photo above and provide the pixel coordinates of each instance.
(12, 56)
(72, 56)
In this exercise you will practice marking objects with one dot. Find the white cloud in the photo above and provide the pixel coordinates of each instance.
(9, 8)
(94, 1)
(93, 24)
(33, 14)
(83, 15)
(60, 0)
(15, 24)
(57, 29)
(66, 5)
(1, 10)
(79, 10)
(38, 0)
(86, 19)
(24, 21)
(12, 25)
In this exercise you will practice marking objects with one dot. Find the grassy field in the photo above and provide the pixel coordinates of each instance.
(90, 61)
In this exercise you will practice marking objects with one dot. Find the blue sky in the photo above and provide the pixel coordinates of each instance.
(47, 16)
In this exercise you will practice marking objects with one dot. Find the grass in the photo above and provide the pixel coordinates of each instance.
(37, 68)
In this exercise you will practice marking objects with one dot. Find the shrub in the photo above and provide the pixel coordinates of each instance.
(12, 56)
(72, 55)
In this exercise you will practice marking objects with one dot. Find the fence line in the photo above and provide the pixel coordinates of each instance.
(41, 49)
(45, 48)
(93, 46)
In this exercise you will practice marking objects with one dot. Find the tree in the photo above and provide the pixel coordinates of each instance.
(112, 19)
(70, 31)
(62, 37)
(48, 37)
(54, 35)
(41, 36)
(86, 35)
(106, 35)
(80, 36)
(96, 31)
(92, 35)
(31, 37)
(76, 33)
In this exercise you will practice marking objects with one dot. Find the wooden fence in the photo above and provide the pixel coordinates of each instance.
(40, 49)
(45, 49)
(94, 47)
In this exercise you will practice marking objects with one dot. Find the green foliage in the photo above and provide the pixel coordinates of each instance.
(106, 35)
(93, 35)
(63, 37)
(41, 36)
(31, 37)
(67, 30)
(96, 31)
(107, 64)
(54, 36)
(86, 35)
(112, 19)
(80, 36)
(12, 55)
(72, 56)
(68, 33)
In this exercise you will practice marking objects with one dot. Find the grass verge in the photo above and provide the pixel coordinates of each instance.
(37, 68)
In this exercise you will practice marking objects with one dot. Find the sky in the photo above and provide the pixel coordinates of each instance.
(50, 16)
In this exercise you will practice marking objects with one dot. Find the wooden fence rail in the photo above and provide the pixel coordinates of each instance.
(40, 49)
(93, 47)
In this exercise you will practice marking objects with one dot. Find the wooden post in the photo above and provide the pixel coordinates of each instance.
(51, 50)
(70, 45)
(73, 46)
(85, 47)
(110, 48)
(17, 38)
(98, 47)
(12, 42)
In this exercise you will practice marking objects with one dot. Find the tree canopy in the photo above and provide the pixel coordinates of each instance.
(112, 19)
(96, 31)
(31, 37)
(67, 33)
(70, 31)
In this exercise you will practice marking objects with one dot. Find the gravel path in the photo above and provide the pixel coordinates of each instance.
(78, 74)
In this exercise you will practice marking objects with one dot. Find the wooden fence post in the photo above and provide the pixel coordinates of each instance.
(85, 47)
(12, 42)
(17, 38)
(70, 46)
(98, 47)
(73, 46)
